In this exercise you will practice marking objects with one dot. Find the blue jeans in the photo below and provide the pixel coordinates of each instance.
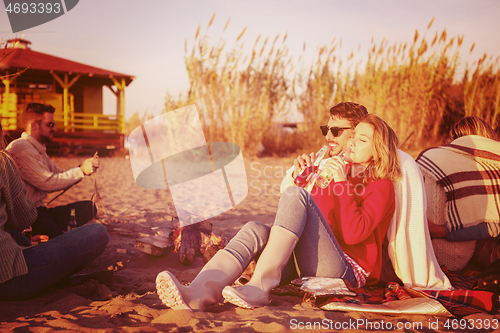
(317, 252)
(58, 258)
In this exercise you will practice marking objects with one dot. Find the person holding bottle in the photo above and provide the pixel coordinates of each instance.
(342, 238)
(343, 118)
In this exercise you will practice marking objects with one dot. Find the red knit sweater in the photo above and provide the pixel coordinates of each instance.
(359, 215)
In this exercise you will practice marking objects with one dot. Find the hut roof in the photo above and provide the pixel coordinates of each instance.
(19, 58)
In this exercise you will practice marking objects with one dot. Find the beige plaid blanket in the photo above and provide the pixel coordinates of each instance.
(469, 171)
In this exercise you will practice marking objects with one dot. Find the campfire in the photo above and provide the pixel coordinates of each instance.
(196, 239)
(188, 241)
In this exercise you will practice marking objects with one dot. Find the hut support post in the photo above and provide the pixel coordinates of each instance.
(65, 85)
(8, 107)
(120, 103)
(8, 79)
(6, 83)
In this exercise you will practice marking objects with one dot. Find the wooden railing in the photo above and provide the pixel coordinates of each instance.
(11, 112)
(10, 116)
(89, 121)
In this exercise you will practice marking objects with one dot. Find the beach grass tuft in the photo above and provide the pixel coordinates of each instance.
(421, 89)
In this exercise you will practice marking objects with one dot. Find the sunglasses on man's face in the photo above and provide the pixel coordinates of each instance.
(336, 131)
(49, 124)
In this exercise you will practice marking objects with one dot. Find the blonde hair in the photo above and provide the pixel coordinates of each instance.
(385, 164)
(472, 125)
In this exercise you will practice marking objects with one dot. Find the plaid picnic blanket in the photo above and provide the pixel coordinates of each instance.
(462, 301)
(469, 171)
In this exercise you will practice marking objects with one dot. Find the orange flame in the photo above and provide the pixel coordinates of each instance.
(205, 241)
(176, 237)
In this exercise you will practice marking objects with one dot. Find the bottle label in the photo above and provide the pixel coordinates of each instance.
(309, 174)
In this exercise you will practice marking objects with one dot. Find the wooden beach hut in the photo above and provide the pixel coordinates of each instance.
(74, 89)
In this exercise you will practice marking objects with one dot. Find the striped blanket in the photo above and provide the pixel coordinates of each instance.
(460, 302)
(469, 171)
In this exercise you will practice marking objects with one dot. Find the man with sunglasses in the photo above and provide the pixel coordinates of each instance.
(41, 175)
(343, 118)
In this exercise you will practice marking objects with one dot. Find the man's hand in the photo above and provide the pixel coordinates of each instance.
(90, 165)
(95, 161)
(302, 162)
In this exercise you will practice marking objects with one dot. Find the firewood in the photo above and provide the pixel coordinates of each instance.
(156, 246)
(190, 245)
(203, 226)
(211, 251)
(193, 240)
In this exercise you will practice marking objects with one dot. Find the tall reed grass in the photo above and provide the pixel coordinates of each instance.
(416, 88)
(237, 95)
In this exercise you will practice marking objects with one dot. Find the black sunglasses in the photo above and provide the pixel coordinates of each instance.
(336, 131)
(49, 124)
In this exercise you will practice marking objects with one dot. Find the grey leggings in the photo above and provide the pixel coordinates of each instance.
(317, 252)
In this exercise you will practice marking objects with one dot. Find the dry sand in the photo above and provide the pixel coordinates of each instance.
(129, 303)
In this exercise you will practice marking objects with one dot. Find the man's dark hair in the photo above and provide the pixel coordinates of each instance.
(34, 112)
(350, 111)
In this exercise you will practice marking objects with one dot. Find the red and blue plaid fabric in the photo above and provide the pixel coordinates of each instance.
(359, 272)
(460, 302)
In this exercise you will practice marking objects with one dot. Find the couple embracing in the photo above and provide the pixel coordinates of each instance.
(314, 234)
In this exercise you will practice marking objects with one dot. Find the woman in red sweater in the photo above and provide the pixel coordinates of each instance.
(361, 207)
(333, 232)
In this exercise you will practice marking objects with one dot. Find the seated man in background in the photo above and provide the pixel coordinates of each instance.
(463, 205)
(42, 176)
(27, 271)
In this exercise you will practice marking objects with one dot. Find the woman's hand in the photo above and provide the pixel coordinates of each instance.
(338, 167)
(302, 162)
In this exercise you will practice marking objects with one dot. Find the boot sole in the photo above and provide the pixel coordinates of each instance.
(233, 298)
(169, 293)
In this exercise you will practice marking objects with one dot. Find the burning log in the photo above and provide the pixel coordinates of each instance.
(196, 239)
(188, 245)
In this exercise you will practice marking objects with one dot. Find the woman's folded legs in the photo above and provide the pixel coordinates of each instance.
(222, 270)
(299, 227)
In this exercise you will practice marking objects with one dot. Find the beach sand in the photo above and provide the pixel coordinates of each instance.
(129, 302)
